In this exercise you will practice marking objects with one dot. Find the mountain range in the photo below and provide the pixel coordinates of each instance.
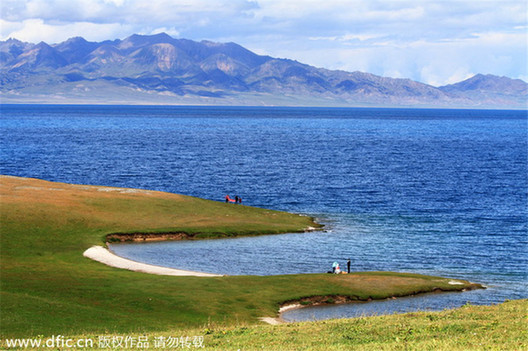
(159, 69)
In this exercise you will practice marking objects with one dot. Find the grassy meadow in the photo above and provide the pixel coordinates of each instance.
(48, 288)
(498, 327)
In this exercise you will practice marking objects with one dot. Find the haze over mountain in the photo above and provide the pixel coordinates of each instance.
(159, 69)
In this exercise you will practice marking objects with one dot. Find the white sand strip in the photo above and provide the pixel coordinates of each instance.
(272, 321)
(100, 254)
(454, 282)
(292, 306)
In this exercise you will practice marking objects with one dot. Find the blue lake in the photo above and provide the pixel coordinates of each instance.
(440, 192)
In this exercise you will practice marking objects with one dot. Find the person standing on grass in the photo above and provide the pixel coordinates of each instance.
(348, 265)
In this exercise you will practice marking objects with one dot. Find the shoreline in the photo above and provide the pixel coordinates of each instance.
(332, 300)
(105, 256)
(326, 300)
(181, 235)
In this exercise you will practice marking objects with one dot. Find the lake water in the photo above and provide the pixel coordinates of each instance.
(440, 192)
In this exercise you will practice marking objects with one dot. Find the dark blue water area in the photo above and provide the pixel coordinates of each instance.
(440, 192)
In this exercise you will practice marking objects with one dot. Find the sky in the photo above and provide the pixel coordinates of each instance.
(436, 42)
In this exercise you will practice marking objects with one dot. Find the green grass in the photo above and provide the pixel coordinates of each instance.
(49, 288)
(499, 327)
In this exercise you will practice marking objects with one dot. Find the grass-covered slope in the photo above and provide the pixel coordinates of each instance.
(49, 288)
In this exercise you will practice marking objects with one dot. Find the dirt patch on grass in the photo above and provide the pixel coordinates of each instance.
(128, 237)
(29, 189)
(317, 301)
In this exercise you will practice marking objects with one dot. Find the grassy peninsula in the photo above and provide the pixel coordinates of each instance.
(49, 288)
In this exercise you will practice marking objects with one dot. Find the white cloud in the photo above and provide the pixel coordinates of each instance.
(348, 37)
(173, 32)
(115, 2)
(36, 30)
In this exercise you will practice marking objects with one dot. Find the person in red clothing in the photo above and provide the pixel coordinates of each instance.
(228, 199)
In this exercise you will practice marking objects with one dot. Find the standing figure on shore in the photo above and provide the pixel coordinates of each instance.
(239, 200)
(348, 266)
(236, 199)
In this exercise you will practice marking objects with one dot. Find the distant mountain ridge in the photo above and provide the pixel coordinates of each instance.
(160, 69)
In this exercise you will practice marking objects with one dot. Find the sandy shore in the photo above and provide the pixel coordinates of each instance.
(100, 254)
